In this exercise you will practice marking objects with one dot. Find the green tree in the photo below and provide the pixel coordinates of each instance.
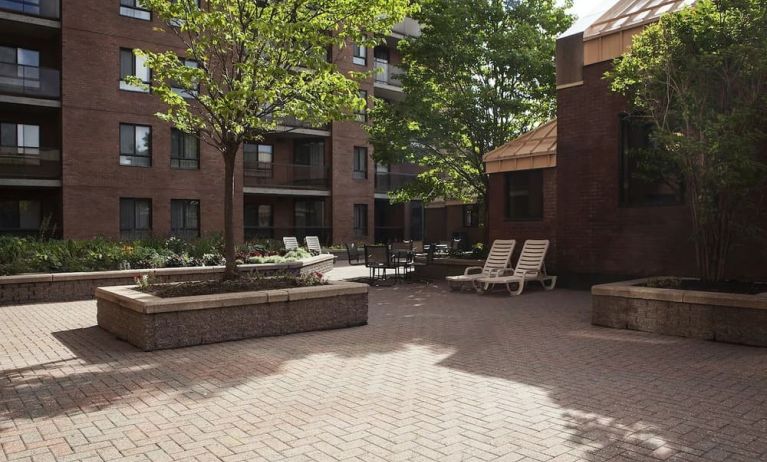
(699, 77)
(480, 74)
(257, 62)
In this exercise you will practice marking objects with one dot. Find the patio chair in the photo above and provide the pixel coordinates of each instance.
(354, 255)
(290, 243)
(378, 259)
(313, 244)
(496, 264)
(531, 266)
(402, 253)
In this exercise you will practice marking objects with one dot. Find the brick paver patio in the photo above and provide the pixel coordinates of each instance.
(435, 376)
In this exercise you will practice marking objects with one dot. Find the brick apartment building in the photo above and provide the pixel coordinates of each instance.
(82, 154)
(571, 180)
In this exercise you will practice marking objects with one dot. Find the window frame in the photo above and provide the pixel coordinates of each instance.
(361, 116)
(19, 129)
(360, 167)
(470, 211)
(185, 231)
(359, 59)
(134, 155)
(133, 232)
(177, 162)
(135, 11)
(124, 85)
(261, 168)
(508, 177)
(360, 219)
(19, 228)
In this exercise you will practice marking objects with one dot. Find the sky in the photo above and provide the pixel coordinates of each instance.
(586, 12)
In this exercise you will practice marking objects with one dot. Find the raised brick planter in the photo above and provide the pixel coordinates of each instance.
(440, 268)
(733, 318)
(57, 287)
(153, 323)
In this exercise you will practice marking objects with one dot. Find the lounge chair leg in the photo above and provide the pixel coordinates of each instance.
(520, 287)
(552, 280)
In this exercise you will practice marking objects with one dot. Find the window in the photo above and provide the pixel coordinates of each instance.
(185, 218)
(362, 114)
(130, 64)
(184, 150)
(360, 219)
(19, 138)
(309, 214)
(524, 195)
(135, 218)
(360, 55)
(135, 145)
(259, 221)
(186, 92)
(638, 186)
(259, 159)
(134, 9)
(20, 215)
(360, 163)
(20, 67)
(470, 216)
(309, 152)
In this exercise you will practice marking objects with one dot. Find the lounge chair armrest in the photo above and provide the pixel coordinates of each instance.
(472, 268)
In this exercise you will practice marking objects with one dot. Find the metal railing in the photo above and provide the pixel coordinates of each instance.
(293, 176)
(292, 122)
(43, 8)
(386, 182)
(388, 74)
(29, 163)
(33, 81)
(300, 233)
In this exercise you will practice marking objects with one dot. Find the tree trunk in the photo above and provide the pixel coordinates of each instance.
(230, 272)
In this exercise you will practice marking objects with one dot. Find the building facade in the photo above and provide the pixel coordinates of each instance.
(604, 220)
(82, 153)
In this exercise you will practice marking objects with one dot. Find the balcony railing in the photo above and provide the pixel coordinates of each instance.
(388, 74)
(386, 182)
(289, 176)
(30, 163)
(32, 81)
(292, 122)
(389, 234)
(254, 233)
(42, 8)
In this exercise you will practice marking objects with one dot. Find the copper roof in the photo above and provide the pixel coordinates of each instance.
(627, 14)
(535, 149)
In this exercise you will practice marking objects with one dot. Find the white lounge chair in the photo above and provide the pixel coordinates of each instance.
(530, 267)
(496, 264)
(290, 243)
(313, 244)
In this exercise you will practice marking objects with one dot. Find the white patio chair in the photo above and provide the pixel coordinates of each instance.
(313, 244)
(496, 264)
(290, 243)
(531, 266)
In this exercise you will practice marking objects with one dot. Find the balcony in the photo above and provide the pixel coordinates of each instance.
(407, 28)
(49, 9)
(29, 81)
(291, 125)
(388, 74)
(386, 182)
(287, 176)
(30, 163)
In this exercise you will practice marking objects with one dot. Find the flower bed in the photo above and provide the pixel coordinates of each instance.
(151, 323)
(724, 317)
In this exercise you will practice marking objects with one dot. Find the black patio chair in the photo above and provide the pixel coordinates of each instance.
(403, 255)
(354, 254)
(378, 259)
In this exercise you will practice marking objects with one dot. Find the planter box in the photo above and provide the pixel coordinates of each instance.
(733, 318)
(153, 323)
(440, 268)
(58, 287)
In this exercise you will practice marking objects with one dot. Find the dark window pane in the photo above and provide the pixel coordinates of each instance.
(126, 215)
(127, 139)
(8, 134)
(524, 195)
(9, 214)
(126, 63)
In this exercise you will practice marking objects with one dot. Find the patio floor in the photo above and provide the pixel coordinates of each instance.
(435, 376)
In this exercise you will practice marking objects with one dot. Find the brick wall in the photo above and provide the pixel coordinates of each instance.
(597, 239)
(503, 228)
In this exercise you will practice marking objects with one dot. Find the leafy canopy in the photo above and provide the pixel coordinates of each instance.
(258, 61)
(481, 74)
(699, 77)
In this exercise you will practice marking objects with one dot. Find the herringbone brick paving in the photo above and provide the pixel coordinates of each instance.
(435, 376)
